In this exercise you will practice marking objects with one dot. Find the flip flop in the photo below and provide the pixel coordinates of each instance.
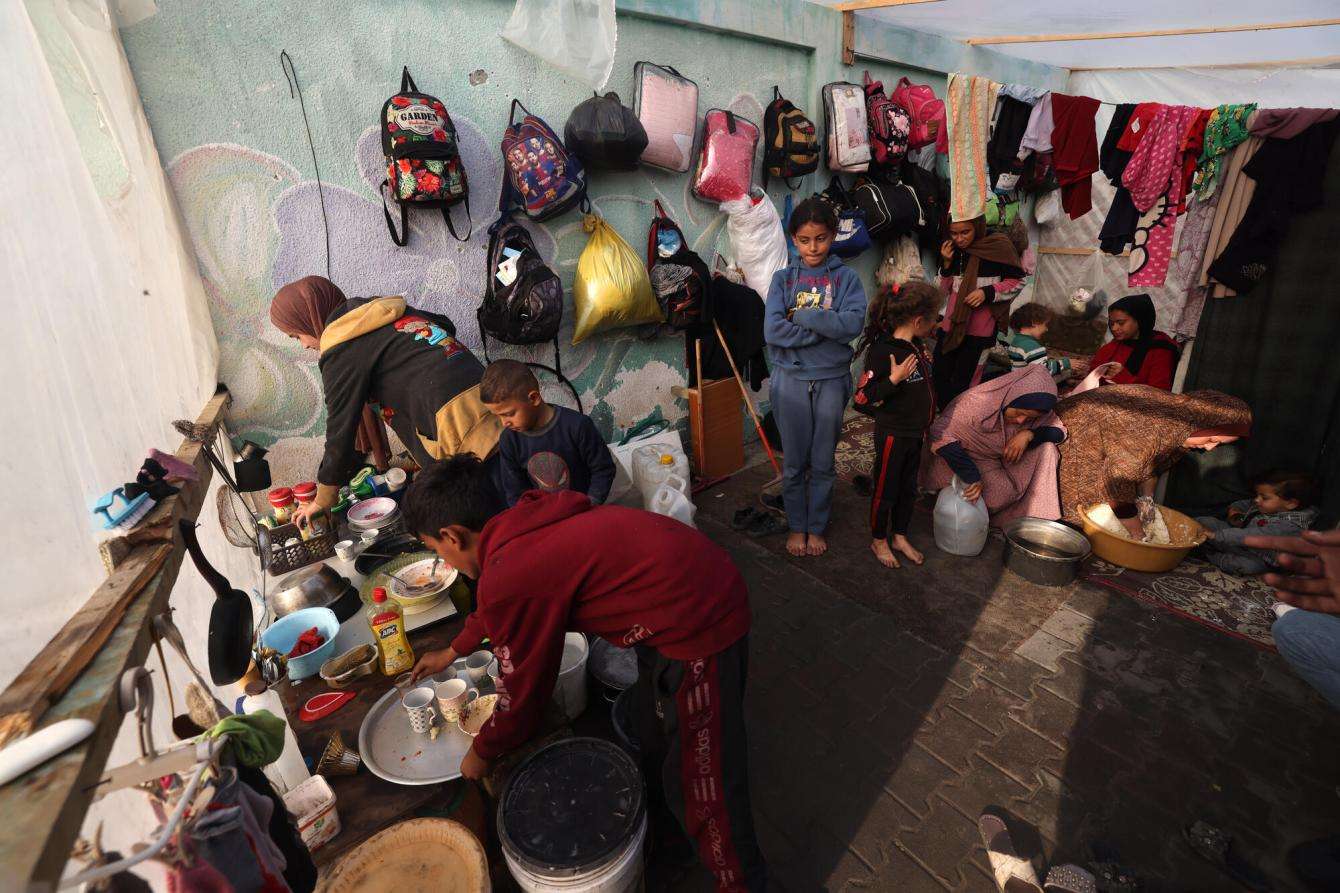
(1070, 879)
(1013, 874)
(1217, 847)
(742, 517)
(767, 524)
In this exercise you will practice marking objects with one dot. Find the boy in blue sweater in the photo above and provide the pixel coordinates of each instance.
(815, 309)
(543, 447)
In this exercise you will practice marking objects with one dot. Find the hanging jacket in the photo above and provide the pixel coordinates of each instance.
(409, 362)
(812, 316)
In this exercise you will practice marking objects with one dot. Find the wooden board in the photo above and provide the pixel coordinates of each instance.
(1157, 32)
(45, 808)
(716, 428)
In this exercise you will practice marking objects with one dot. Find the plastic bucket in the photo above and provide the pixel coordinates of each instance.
(283, 634)
(624, 874)
(570, 692)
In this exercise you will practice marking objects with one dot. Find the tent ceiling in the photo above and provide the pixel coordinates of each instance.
(964, 19)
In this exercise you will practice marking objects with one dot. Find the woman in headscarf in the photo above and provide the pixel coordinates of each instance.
(378, 350)
(981, 273)
(1146, 356)
(999, 438)
(1123, 436)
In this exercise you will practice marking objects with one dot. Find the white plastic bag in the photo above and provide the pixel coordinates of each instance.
(672, 500)
(960, 526)
(756, 238)
(575, 36)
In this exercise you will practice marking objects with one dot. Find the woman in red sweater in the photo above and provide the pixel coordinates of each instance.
(1146, 356)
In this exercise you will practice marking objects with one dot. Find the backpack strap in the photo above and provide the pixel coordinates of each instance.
(557, 371)
(403, 239)
(446, 215)
(730, 121)
(511, 117)
(776, 94)
(407, 84)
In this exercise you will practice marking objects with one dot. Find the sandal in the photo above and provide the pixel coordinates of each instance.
(767, 524)
(1108, 872)
(1070, 879)
(742, 517)
(1217, 847)
(1013, 874)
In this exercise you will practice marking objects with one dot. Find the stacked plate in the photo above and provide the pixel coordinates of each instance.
(416, 569)
(379, 513)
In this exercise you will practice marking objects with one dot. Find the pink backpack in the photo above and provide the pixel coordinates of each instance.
(927, 112)
(890, 125)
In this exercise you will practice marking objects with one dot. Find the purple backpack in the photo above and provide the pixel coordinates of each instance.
(542, 177)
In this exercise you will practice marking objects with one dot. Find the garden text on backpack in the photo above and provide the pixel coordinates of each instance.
(542, 177)
(890, 125)
(790, 143)
(523, 298)
(423, 161)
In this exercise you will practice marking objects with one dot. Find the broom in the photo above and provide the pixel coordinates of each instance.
(749, 404)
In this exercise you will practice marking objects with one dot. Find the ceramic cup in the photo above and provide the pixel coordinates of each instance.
(477, 665)
(494, 672)
(452, 695)
(418, 704)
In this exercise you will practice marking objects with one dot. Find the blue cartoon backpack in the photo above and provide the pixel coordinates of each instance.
(543, 179)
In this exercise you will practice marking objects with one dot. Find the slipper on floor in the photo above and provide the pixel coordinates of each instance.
(767, 524)
(1216, 847)
(742, 517)
(1069, 879)
(772, 502)
(1013, 874)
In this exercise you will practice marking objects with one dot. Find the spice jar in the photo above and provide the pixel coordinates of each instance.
(304, 492)
(282, 501)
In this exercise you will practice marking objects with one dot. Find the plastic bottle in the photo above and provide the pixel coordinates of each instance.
(960, 526)
(388, 633)
(290, 770)
(653, 464)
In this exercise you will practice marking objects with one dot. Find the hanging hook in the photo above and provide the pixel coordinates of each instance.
(295, 91)
(136, 692)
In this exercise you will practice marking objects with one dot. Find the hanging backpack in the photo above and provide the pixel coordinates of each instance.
(542, 177)
(852, 236)
(726, 158)
(603, 132)
(666, 103)
(847, 134)
(890, 125)
(932, 194)
(423, 160)
(679, 277)
(790, 145)
(926, 111)
(890, 208)
(523, 298)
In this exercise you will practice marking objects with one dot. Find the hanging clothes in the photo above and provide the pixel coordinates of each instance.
(1074, 150)
(1234, 197)
(1023, 93)
(971, 100)
(1002, 153)
(1225, 130)
(1288, 175)
(1119, 227)
(1192, 142)
(1038, 135)
(1154, 177)
(740, 314)
(1287, 123)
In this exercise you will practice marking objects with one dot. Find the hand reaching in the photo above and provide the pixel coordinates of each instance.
(973, 492)
(976, 298)
(1313, 565)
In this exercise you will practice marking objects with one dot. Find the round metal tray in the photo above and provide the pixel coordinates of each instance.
(395, 752)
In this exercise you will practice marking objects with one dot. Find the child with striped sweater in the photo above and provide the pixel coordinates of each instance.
(1023, 342)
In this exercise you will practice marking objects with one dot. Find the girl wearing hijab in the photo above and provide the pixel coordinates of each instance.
(1121, 437)
(999, 438)
(1145, 356)
(379, 350)
(981, 273)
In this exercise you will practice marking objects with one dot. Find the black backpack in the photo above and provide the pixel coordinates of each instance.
(891, 209)
(933, 196)
(604, 133)
(679, 278)
(423, 160)
(529, 308)
(790, 142)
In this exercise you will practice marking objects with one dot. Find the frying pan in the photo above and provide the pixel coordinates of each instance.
(230, 625)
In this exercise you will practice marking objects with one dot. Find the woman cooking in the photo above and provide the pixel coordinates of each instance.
(1138, 353)
(1121, 437)
(999, 439)
(378, 350)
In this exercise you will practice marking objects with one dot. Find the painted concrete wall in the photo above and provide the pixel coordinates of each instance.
(233, 142)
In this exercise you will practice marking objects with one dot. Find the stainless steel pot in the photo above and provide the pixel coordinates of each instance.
(315, 586)
(1045, 552)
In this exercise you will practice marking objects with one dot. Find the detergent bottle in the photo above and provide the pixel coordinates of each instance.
(388, 633)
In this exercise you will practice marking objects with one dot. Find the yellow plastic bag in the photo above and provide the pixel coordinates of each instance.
(611, 289)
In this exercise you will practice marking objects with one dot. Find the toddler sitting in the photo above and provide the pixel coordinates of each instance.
(1284, 506)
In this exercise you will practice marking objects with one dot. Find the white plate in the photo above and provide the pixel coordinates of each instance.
(373, 512)
(395, 752)
(412, 572)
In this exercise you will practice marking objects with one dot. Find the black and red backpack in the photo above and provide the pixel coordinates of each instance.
(423, 160)
(890, 125)
(679, 278)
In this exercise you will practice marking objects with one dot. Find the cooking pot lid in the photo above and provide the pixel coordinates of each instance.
(572, 803)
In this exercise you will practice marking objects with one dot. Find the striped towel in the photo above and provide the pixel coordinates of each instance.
(971, 103)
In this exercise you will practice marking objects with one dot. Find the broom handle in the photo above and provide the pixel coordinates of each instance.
(749, 404)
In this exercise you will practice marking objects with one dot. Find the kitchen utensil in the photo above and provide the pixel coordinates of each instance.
(323, 705)
(388, 548)
(1185, 533)
(283, 634)
(395, 752)
(230, 629)
(341, 671)
(380, 511)
(1044, 552)
(336, 758)
(475, 714)
(378, 576)
(453, 695)
(40, 746)
(414, 584)
(315, 586)
(421, 707)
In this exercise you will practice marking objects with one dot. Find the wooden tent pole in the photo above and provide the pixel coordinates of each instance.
(1160, 32)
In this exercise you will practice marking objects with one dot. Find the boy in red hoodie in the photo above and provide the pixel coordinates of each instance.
(554, 563)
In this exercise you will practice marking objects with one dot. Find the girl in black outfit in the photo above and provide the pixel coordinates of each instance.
(896, 389)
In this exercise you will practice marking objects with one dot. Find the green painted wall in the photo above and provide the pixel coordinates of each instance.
(233, 141)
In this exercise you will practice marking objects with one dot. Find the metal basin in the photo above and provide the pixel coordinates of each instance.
(1045, 552)
(315, 586)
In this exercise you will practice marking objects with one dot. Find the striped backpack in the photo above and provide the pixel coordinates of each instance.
(790, 144)
(423, 160)
(543, 179)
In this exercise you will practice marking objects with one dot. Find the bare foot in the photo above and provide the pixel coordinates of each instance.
(884, 553)
(817, 545)
(795, 544)
(902, 544)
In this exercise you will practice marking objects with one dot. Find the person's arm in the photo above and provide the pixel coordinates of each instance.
(1007, 289)
(846, 318)
(599, 463)
(1057, 365)
(958, 459)
(512, 471)
(1313, 565)
(346, 384)
(1047, 434)
(474, 632)
(876, 388)
(1237, 536)
(777, 329)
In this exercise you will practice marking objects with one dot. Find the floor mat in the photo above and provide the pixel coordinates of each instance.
(1199, 591)
(855, 448)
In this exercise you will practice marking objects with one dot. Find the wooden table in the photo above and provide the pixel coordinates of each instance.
(366, 803)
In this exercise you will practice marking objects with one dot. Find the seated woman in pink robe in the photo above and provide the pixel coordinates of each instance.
(1000, 439)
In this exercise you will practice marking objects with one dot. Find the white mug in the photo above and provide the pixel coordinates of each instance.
(476, 665)
(418, 704)
(452, 695)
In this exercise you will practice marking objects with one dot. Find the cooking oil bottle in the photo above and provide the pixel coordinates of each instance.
(388, 632)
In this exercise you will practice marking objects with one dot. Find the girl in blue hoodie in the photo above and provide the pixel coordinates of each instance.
(815, 309)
